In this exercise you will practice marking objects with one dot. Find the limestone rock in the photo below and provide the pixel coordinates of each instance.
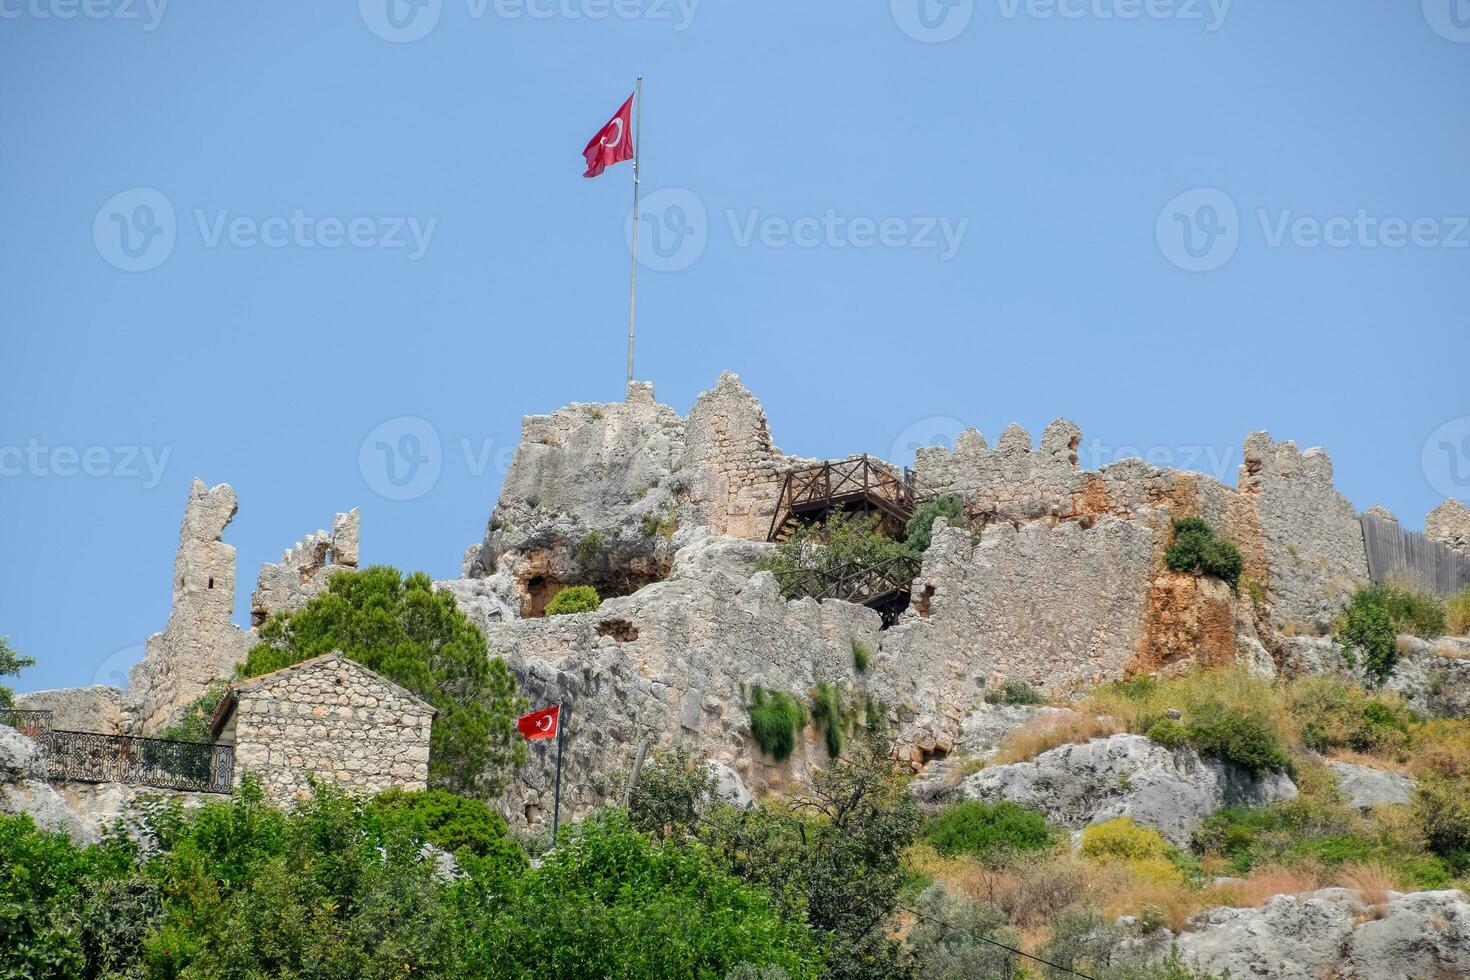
(1366, 787)
(729, 787)
(45, 806)
(305, 567)
(980, 734)
(1172, 790)
(1333, 932)
(98, 708)
(1382, 513)
(18, 755)
(1449, 524)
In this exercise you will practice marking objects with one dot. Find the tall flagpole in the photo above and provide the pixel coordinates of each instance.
(637, 160)
(561, 721)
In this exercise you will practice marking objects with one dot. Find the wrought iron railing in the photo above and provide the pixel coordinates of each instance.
(91, 757)
(27, 721)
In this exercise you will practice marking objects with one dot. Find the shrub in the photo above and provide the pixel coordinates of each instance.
(919, 530)
(832, 715)
(1331, 714)
(193, 723)
(1442, 809)
(417, 637)
(1015, 692)
(982, 829)
(861, 657)
(819, 550)
(1198, 551)
(1169, 733)
(1412, 609)
(1233, 735)
(452, 823)
(1366, 630)
(574, 599)
(673, 789)
(955, 938)
(1121, 838)
(775, 718)
(590, 548)
(1457, 613)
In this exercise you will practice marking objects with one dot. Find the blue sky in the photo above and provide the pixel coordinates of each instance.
(890, 221)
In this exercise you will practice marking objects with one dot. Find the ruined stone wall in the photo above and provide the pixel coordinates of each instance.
(333, 720)
(305, 568)
(1313, 540)
(674, 663)
(1012, 480)
(200, 644)
(98, 708)
(1449, 524)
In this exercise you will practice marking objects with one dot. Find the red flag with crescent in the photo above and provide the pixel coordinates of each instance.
(613, 143)
(540, 724)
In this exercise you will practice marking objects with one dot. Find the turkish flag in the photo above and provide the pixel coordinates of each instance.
(613, 143)
(540, 724)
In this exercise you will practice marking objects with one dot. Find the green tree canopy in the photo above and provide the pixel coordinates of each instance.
(404, 630)
(11, 664)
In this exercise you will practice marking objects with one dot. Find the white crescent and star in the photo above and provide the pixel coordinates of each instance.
(544, 725)
(619, 141)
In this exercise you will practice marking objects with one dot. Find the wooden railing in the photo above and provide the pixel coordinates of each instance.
(862, 584)
(856, 483)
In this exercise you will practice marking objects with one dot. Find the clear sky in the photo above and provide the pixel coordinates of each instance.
(253, 242)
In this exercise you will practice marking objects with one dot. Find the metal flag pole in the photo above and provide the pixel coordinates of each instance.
(637, 160)
(561, 722)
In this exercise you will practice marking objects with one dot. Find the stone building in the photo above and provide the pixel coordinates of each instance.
(329, 719)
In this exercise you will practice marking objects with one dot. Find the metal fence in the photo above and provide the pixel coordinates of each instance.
(1395, 551)
(90, 757)
(27, 721)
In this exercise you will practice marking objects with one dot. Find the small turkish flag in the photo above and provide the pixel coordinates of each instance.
(613, 144)
(540, 724)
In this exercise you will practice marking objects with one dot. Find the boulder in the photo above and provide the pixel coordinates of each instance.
(1334, 933)
(729, 787)
(18, 755)
(1172, 790)
(981, 732)
(1366, 787)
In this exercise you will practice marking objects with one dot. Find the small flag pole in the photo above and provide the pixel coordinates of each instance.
(637, 160)
(561, 720)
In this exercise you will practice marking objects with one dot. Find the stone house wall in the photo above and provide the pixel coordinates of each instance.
(330, 719)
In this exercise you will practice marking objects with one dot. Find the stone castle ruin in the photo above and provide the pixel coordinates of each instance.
(1058, 580)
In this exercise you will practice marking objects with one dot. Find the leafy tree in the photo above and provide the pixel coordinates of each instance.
(948, 941)
(832, 856)
(920, 528)
(609, 902)
(457, 824)
(674, 789)
(574, 599)
(817, 550)
(11, 664)
(411, 634)
(1367, 630)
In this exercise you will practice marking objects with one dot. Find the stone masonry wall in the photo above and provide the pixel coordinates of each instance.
(335, 720)
(304, 569)
(1449, 524)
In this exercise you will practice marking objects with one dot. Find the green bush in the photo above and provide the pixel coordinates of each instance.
(1442, 810)
(820, 550)
(983, 829)
(1412, 609)
(832, 714)
(1234, 735)
(574, 599)
(1457, 613)
(417, 637)
(675, 787)
(775, 719)
(1015, 692)
(1169, 733)
(1123, 839)
(1367, 630)
(1331, 714)
(590, 549)
(919, 530)
(456, 824)
(1198, 551)
(861, 657)
(11, 664)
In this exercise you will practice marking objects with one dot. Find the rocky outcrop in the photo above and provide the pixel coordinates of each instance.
(1366, 787)
(200, 644)
(304, 569)
(98, 708)
(1433, 676)
(1449, 524)
(1172, 790)
(981, 733)
(1336, 933)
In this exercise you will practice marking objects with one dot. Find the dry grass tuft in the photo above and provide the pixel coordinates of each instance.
(1043, 733)
(1372, 882)
(1268, 882)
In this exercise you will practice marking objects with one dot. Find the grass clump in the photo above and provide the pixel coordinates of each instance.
(1198, 551)
(1015, 693)
(986, 829)
(861, 657)
(590, 548)
(1334, 715)
(1457, 613)
(574, 599)
(775, 718)
(831, 714)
